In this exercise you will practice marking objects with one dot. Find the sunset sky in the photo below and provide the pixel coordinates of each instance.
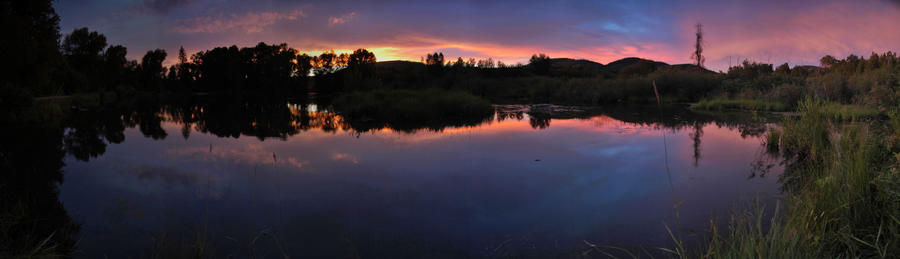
(797, 32)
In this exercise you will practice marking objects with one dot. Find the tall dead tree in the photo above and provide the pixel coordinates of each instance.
(698, 48)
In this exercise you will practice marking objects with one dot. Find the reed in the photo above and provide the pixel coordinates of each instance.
(841, 187)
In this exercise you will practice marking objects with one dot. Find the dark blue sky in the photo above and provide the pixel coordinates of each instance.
(799, 32)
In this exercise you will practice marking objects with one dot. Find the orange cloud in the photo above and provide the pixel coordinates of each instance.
(413, 46)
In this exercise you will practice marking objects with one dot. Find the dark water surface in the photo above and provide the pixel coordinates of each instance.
(291, 179)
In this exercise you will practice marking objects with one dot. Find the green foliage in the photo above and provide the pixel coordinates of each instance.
(841, 183)
(849, 112)
(750, 70)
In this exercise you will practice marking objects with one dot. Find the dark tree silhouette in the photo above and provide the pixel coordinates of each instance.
(185, 70)
(460, 63)
(116, 66)
(83, 50)
(29, 45)
(325, 62)
(435, 59)
(827, 61)
(697, 56)
(540, 64)
(783, 69)
(362, 61)
(152, 70)
(83, 44)
(268, 66)
(435, 63)
(304, 64)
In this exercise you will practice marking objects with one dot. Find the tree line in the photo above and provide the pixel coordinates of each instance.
(93, 66)
(41, 61)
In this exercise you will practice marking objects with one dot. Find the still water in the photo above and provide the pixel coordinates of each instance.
(298, 180)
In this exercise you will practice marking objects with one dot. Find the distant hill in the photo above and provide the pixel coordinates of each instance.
(617, 66)
(688, 67)
(567, 67)
(574, 67)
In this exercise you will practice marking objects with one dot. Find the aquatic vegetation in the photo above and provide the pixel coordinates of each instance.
(841, 185)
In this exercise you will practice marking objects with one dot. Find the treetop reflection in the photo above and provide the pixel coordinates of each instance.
(88, 131)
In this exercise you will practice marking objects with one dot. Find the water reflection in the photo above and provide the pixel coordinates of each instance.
(312, 183)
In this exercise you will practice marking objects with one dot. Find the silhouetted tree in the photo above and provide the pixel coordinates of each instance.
(83, 44)
(325, 63)
(304, 64)
(486, 63)
(29, 45)
(827, 61)
(435, 63)
(540, 64)
(186, 73)
(219, 69)
(783, 69)
(750, 70)
(152, 70)
(460, 63)
(697, 56)
(268, 66)
(116, 66)
(342, 60)
(363, 61)
(83, 51)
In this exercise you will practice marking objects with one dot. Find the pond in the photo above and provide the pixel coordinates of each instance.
(291, 178)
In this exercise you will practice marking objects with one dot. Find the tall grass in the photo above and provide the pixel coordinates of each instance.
(848, 112)
(841, 186)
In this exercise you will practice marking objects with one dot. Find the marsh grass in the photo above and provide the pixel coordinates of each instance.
(841, 186)
(849, 112)
(773, 140)
(20, 236)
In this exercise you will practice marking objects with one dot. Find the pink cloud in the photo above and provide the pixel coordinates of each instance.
(342, 19)
(249, 22)
(249, 154)
(344, 157)
(787, 35)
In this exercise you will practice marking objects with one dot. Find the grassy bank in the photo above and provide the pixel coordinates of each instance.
(842, 194)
